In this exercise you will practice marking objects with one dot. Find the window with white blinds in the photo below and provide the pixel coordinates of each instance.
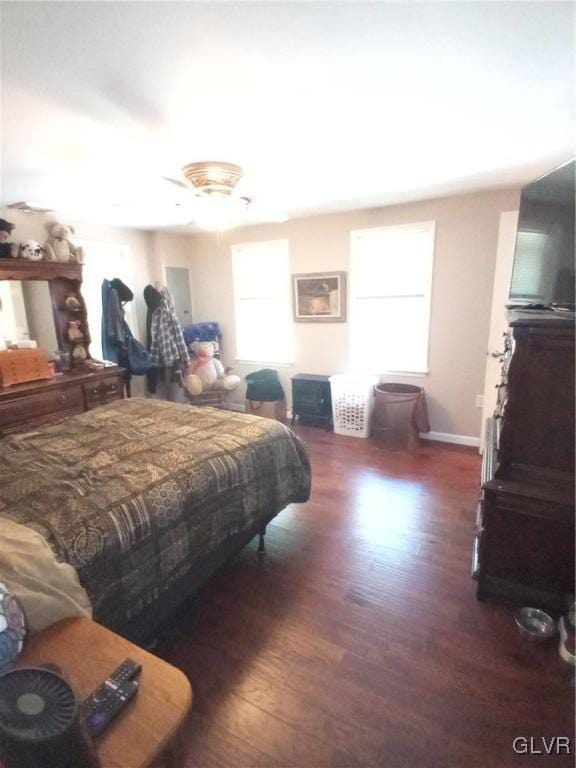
(390, 292)
(264, 326)
(529, 259)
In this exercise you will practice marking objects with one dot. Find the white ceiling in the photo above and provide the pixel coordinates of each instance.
(327, 106)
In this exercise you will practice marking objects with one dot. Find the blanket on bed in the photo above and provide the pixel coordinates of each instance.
(132, 494)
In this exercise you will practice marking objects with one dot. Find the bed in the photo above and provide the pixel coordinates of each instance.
(146, 498)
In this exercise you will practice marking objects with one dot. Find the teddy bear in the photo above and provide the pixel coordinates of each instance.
(205, 372)
(74, 331)
(32, 251)
(79, 353)
(72, 303)
(59, 246)
(8, 250)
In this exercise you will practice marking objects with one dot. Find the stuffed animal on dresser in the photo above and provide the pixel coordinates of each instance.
(72, 303)
(205, 372)
(32, 251)
(59, 244)
(74, 331)
(8, 250)
(79, 353)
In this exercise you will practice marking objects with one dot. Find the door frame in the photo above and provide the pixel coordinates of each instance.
(507, 228)
(165, 282)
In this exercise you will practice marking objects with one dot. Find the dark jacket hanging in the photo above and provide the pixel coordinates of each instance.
(118, 343)
(153, 299)
(113, 335)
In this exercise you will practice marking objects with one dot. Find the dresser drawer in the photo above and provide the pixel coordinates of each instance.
(60, 402)
(103, 391)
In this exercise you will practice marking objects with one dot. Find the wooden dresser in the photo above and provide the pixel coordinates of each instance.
(38, 402)
(524, 539)
(80, 389)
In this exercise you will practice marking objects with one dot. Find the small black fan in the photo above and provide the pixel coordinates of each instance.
(39, 722)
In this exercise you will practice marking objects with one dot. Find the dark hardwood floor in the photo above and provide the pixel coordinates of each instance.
(357, 640)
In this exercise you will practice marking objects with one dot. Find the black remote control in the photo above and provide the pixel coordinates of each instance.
(102, 706)
(128, 670)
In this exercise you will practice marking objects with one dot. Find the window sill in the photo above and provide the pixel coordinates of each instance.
(404, 373)
(264, 362)
(417, 374)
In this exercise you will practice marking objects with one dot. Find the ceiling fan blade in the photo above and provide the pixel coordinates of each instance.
(178, 183)
(157, 205)
(28, 207)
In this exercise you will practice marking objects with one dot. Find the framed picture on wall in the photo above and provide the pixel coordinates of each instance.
(319, 297)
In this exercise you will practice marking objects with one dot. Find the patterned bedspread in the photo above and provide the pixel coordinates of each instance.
(134, 493)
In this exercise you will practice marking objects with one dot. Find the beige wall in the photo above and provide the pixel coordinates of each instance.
(40, 313)
(465, 252)
(169, 250)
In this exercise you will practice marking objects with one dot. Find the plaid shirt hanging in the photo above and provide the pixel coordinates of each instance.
(167, 347)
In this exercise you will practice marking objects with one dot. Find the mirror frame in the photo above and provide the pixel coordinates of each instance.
(64, 278)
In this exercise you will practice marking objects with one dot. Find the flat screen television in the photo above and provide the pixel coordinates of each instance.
(543, 270)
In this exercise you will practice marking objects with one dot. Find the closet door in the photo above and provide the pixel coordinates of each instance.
(178, 283)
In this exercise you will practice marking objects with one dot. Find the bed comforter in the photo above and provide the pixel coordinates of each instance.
(134, 493)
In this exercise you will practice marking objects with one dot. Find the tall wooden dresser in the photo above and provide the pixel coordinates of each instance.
(524, 537)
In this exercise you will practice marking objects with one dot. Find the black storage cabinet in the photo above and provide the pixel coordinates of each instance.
(312, 399)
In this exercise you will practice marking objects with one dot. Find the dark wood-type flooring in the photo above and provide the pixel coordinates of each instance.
(357, 640)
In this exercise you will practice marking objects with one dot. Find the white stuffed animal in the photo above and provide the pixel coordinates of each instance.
(31, 250)
(59, 246)
(206, 372)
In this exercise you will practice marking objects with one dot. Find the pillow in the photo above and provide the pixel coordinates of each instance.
(48, 590)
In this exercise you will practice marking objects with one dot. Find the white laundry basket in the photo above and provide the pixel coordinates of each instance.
(352, 403)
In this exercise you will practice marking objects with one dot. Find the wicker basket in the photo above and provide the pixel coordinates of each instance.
(20, 365)
(352, 403)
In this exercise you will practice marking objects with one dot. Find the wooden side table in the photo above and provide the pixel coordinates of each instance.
(312, 398)
(87, 653)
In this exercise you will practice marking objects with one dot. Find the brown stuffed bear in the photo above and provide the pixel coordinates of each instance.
(74, 331)
(72, 303)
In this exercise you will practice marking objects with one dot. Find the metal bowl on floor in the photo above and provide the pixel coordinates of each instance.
(534, 625)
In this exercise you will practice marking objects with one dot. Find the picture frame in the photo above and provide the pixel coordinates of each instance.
(319, 297)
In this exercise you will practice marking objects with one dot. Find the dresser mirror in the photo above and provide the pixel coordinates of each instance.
(26, 312)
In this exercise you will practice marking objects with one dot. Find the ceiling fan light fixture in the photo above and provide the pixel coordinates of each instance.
(219, 214)
(213, 178)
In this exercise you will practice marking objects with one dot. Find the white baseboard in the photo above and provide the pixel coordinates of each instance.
(442, 437)
(448, 437)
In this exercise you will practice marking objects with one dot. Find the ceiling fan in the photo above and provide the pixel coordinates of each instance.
(214, 200)
(27, 207)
